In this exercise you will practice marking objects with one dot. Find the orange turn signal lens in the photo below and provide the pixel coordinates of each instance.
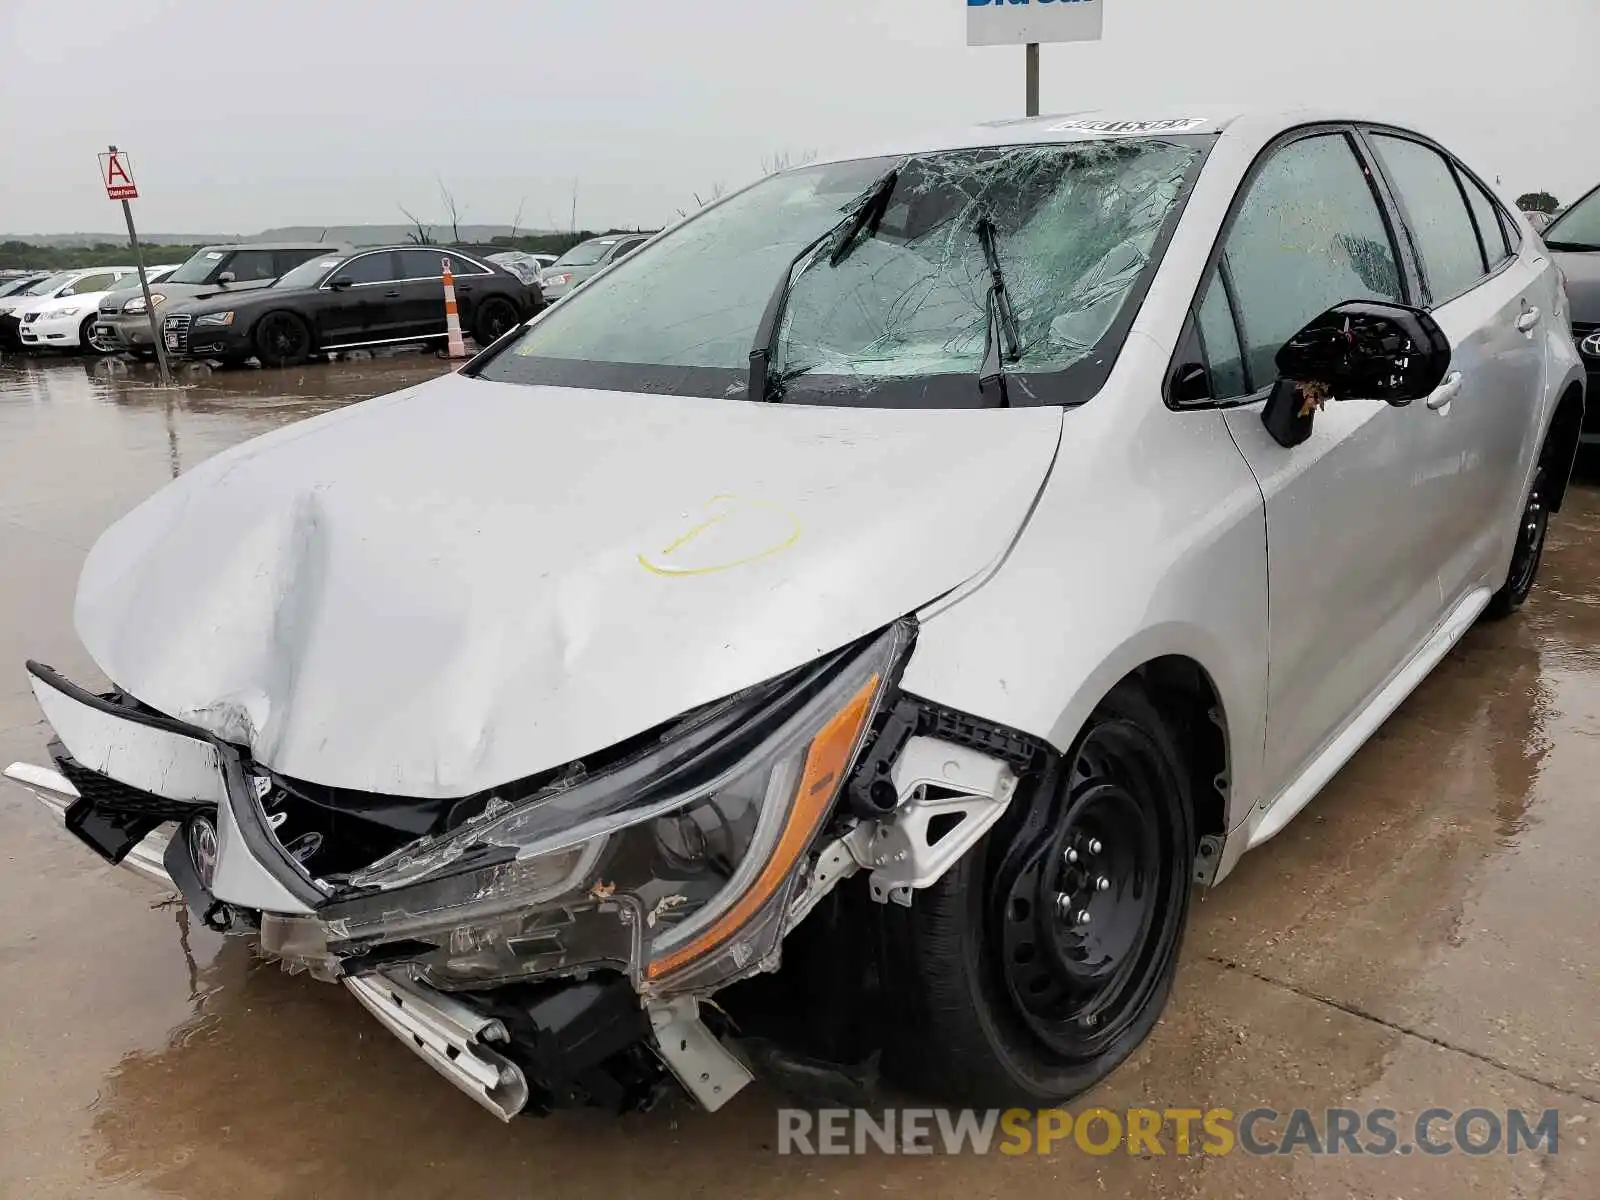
(827, 759)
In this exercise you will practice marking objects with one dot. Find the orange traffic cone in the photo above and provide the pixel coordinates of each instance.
(452, 317)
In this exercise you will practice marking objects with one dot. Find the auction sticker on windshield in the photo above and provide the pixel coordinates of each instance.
(1169, 125)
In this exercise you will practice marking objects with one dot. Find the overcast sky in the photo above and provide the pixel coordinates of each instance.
(243, 115)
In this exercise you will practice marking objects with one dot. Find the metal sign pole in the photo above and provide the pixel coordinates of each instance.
(144, 285)
(1033, 79)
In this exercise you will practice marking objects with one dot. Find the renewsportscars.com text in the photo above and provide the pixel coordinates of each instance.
(1180, 1131)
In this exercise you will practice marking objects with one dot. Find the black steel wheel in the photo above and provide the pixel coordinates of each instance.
(282, 340)
(495, 317)
(1528, 553)
(1045, 957)
(91, 341)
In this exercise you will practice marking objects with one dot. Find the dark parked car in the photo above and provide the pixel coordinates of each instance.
(588, 258)
(340, 301)
(122, 323)
(1574, 240)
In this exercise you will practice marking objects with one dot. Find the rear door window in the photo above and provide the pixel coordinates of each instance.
(421, 264)
(284, 261)
(1436, 215)
(252, 266)
(1491, 228)
(1308, 235)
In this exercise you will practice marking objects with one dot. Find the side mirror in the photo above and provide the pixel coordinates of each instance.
(226, 278)
(1359, 350)
(341, 283)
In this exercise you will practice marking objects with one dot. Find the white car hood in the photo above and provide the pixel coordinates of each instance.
(467, 583)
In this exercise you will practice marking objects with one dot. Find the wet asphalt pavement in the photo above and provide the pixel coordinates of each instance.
(1426, 934)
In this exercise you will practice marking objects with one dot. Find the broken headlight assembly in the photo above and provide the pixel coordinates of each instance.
(676, 866)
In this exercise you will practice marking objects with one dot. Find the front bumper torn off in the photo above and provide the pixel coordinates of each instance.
(539, 953)
(592, 965)
(452, 1038)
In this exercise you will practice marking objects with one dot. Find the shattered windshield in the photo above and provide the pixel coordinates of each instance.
(884, 289)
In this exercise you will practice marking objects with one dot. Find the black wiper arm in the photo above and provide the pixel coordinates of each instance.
(1001, 324)
(767, 331)
(997, 288)
(868, 216)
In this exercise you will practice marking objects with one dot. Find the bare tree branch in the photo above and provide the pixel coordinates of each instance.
(420, 237)
(450, 207)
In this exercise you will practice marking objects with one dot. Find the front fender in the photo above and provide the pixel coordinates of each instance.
(1149, 540)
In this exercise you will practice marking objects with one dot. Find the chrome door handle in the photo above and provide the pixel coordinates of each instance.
(1447, 391)
(1527, 320)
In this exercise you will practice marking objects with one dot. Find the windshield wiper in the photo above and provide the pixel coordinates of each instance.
(1001, 322)
(875, 201)
(1580, 247)
(868, 216)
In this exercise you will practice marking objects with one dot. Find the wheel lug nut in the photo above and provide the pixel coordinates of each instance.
(1094, 846)
(1071, 855)
(1064, 906)
(1101, 884)
(1082, 917)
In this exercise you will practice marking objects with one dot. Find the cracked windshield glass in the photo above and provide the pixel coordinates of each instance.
(887, 275)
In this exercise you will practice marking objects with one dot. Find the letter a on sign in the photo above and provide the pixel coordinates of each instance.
(116, 170)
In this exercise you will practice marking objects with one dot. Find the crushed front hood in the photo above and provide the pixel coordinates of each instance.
(467, 582)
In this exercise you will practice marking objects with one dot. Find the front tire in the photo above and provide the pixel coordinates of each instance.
(1046, 955)
(495, 317)
(89, 340)
(1528, 553)
(282, 340)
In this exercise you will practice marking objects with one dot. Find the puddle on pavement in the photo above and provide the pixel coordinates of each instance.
(1423, 934)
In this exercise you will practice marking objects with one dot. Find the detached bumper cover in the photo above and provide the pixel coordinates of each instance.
(568, 937)
(157, 759)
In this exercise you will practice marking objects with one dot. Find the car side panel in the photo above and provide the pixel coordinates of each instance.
(1148, 539)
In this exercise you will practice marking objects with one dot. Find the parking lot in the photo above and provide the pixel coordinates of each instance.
(1423, 936)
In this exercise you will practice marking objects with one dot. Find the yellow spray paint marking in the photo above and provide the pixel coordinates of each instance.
(783, 533)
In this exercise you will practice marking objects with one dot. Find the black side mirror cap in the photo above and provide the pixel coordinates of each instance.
(341, 283)
(1358, 350)
(1368, 350)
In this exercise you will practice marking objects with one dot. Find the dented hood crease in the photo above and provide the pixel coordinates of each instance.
(469, 582)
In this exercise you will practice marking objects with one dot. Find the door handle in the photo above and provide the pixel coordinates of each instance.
(1447, 391)
(1528, 319)
(463, 288)
(395, 295)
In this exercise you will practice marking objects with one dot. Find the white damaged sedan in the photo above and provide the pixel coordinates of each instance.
(875, 603)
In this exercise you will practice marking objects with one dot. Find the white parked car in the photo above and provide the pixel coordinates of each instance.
(65, 318)
(908, 575)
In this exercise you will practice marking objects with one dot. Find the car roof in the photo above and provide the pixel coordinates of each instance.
(314, 247)
(1248, 123)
